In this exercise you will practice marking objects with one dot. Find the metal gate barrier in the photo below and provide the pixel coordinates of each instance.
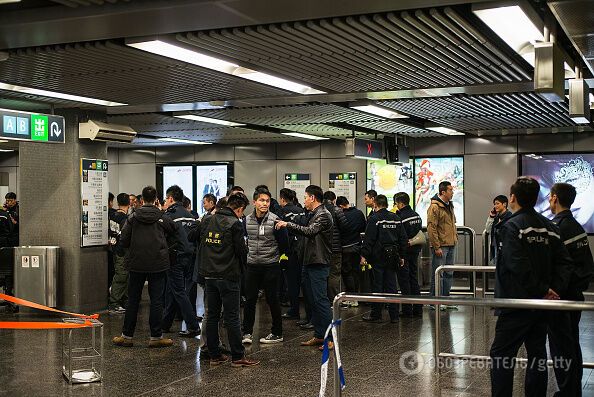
(539, 304)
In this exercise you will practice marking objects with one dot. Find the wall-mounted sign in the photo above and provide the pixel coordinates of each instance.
(94, 195)
(364, 148)
(344, 184)
(298, 183)
(24, 126)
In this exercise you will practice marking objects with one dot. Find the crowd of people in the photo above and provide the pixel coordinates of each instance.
(284, 249)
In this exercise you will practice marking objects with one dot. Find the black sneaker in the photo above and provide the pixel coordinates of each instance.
(370, 319)
(271, 338)
(189, 333)
(307, 326)
(301, 322)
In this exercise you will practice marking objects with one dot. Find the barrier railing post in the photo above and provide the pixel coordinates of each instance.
(437, 341)
(335, 317)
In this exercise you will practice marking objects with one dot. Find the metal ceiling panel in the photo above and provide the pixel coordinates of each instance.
(297, 114)
(110, 71)
(486, 112)
(396, 50)
(393, 127)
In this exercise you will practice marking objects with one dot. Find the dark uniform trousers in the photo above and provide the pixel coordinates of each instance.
(384, 280)
(514, 328)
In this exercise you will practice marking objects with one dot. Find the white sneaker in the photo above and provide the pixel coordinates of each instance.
(271, 338)
(247, 338)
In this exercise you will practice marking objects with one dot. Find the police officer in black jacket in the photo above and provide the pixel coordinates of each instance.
(532, 263)
(564, 331)
(340, 228)
(181, 266)
(409, 283)
(384, 247)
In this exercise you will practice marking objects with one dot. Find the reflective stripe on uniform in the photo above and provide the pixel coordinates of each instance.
(538, 230)
(576, 238)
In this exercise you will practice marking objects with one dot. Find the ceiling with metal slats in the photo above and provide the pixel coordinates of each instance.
(411, 49)
(433, 61)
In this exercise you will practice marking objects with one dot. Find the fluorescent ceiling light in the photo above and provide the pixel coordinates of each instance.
(178, 140)
(514, 27)
(209, 120)
(380, 111)
(445, 130)
(9, 1)
(59, 95)
(180, 53)
(305, 136)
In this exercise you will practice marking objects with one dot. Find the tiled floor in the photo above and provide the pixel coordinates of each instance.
(30, 361)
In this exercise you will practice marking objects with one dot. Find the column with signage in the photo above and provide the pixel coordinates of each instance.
(94, 196)
(344, 184)
(298, 183)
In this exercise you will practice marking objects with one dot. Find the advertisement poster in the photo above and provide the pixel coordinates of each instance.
(389, 179)
(344, 184)
(298, 183)
(94, 195)
(210, 179)
(181, 176)
(575, 169)
(429, 172)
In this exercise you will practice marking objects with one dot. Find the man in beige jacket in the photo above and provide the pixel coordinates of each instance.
(443, 237)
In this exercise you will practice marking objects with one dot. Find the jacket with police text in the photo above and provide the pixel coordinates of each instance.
(384, 228)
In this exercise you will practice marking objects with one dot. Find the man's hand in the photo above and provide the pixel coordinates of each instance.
(552, 295)
(438, 252)
(401, 262)
(280, 224)
(363, 261)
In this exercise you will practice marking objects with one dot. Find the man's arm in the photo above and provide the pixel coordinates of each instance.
(239, 246)
(126, 235)
(370, 238)
(563, 265)
(282, 239)
(432, 227)
(318, 224)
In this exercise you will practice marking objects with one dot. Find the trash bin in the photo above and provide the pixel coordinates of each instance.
(36, 274)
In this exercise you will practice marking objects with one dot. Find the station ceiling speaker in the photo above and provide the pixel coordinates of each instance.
(549, 74)
(579, 101)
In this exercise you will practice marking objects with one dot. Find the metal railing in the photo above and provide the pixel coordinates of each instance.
(539, 304)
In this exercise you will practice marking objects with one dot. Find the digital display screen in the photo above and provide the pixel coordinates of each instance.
(210, 179)
(575, 169)
(180, 175)
(389, 179)
(429, 172)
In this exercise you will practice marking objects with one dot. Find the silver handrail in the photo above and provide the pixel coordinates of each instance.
(540, 304)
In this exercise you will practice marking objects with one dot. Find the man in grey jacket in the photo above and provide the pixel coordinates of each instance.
(316, 260)
(265, 245)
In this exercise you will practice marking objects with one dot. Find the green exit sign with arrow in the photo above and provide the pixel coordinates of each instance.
(25, 126)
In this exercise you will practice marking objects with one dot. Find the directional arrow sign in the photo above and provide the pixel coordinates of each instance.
(24, 126)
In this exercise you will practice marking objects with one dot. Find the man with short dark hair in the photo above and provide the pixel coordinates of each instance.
(369, 200)
(118, 295)
(148, 235)
(407, 276)
(11, 205)
(292, 213)
(341, 227)
(209, 201)
(316, 260)
(564, 326)
(499, 213)
(532, 263)
(443, 237)
(181, 266)
(383, 247)
(223, 254)
(351, 247)
(265, 246)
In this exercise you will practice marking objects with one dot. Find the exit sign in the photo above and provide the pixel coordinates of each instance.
(24, 126)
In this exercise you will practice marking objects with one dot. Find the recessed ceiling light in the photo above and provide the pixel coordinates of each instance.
(209, 120)
(59, 95)
(380, 111)
(444, 130)
(178, 140)
(514, 26)
(181, 53)
(305, 136)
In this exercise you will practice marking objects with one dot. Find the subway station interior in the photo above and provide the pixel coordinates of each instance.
(112, 96)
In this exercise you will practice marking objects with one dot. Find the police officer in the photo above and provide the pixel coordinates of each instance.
(407, 276)
(564, 332)
(181, 266)
(384, 247)
(532, 263)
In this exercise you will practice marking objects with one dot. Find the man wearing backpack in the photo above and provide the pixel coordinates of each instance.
(148, 236)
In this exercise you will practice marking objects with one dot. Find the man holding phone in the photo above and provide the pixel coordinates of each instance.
(499, 213)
